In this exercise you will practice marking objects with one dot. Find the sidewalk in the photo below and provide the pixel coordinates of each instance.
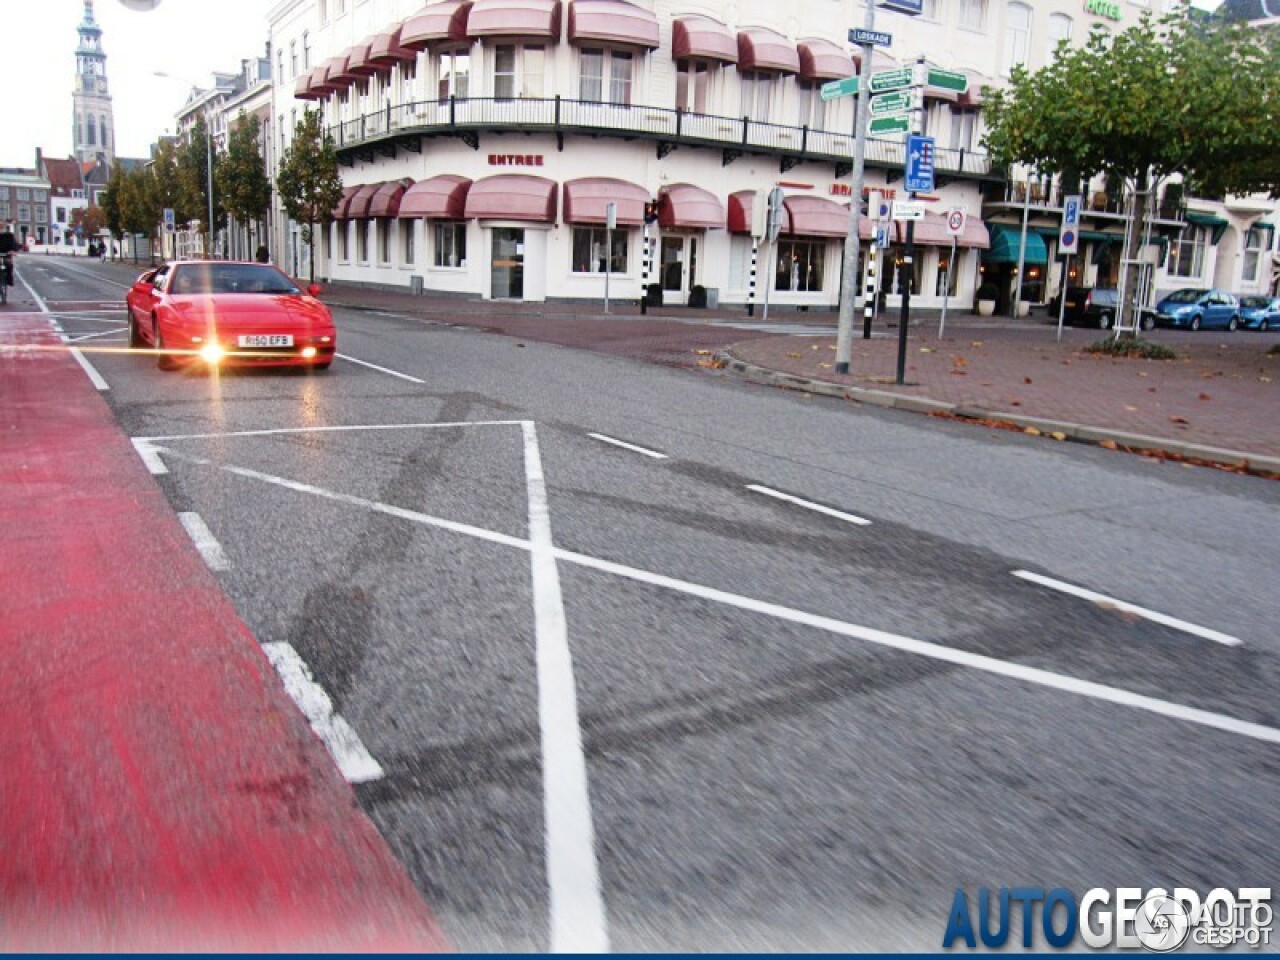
(161, 792)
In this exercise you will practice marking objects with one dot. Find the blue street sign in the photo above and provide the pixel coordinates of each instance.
(1069, 237)
(882, 236)
(919, 164)
(877, 37)
(912, 8)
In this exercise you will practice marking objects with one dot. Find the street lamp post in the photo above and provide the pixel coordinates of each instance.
(208, 158)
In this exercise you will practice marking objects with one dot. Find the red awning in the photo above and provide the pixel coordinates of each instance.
(357, 67)
(302, 88)
(324, 77)
(585, 200)
(703, 38)
(684, 205)
(515, 18)
(513, 196)
(816, 217)
(741, 205)
(975, 234)
(385, 50)
(386, 201)
(973, 96)
(931, 231)
(761, 49)
(612, 21)
(340, 211)
(436, 23)
(442, 198)
(823, 60)
(358, 208)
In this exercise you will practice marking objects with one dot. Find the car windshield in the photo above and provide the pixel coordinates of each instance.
(1185, 296)
(229, 278)
(1254, 302)
(1104, 298)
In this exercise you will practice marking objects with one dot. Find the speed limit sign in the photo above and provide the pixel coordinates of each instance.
(955, 221)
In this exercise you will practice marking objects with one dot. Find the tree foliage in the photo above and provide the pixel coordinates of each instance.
(90, 219)
(193, 157)
(241, 176)
(308, 180)
(111, 201)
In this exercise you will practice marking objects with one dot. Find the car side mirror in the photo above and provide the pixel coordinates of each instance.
(314, 289)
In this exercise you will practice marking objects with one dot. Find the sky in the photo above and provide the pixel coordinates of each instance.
(187, 38)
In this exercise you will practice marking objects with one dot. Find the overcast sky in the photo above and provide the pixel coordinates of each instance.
(189, 38)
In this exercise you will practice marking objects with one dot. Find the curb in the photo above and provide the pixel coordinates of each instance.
(1078, 432)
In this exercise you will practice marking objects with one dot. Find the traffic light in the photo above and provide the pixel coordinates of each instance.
(651, 211)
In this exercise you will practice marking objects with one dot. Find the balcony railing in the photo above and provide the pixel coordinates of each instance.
(463, 114)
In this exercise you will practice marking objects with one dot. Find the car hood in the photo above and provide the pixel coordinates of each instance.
(257, 311)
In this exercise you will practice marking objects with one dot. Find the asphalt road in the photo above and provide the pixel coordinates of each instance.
(674, 712)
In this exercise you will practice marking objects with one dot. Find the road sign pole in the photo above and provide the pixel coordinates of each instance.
(1062, 293)
(946, 288)
(917, 117)
(849, 276)
(751, 286)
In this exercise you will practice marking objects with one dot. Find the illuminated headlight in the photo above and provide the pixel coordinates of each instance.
(308, 352)
(326, 339)
(211, 353)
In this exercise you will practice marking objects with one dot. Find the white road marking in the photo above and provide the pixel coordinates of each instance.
(629, 446)
(150, 457)
(214, 556)
(94, 276)
(344, 745)
(93, 336)
(271, 432)
(94, 376)
(1126, 607)
(577, 905)
(963, 658)
(779, 495)
(374, 366)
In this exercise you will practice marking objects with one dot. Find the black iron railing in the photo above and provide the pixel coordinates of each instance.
(458, 114)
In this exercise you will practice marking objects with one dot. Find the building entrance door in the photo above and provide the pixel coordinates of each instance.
(678, 261)
(508, 264)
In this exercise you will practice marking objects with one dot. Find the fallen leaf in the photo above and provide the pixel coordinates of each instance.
(1058, 435)
(825, 366)
(707, 353)
(986, 383)
(1151, 389)
(1181, 421)
(831, 346)
(1026, 379)
(519, 344)
(789, 354)
(814, 347)
(1015, 403)
(1108, 444)
(960, 362)
(712, 364)
(1131, 409)
(977, 343)
(1031, 431)
(1265, 379)
(1141, 374)
(926, 350)
(1204, 396)
(959, 373)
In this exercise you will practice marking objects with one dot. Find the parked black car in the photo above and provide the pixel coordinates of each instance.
(1097, 307)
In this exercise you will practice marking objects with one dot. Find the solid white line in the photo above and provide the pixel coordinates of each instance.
(374, 366)
(344, 745)
(44, 307)
(1152, 615)
(150, 457)
(205, 541)
(272, 432)
(100, 333)
(573, 881)
(1033, 675)
(93, 276)
(779, 495)
(88, 368)
(629, 446)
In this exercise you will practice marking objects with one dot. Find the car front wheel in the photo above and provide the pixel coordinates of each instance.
(135, 338)
(1148, 322)
(1233, 324)
(1104, 322)
(1195, 323)
(1264, 326)
(163, 360)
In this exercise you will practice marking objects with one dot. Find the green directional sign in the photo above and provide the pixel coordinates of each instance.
(896, 123)
(838, 88)
(887, 80)
(898, 101)
(945, 79)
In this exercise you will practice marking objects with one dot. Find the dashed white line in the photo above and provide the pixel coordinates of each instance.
(344, 745)
(214, 556)
(628, 446)
(94, 336)
(817, 507)
(573, 880)
(94, 376)
(339, 428)
(374, 366)
(1122, 605)
(150, 457)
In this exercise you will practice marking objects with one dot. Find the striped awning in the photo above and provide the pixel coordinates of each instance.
(823, 60)
(702, 38)
(612, 21)
(586, 201)
(513, 196)
(684, 205)
(763, 49)
(436, 23)
(443, 197)
(514, 18)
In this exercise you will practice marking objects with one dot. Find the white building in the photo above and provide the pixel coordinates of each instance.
(482, 140)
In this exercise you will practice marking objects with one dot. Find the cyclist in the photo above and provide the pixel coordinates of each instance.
(8, 244)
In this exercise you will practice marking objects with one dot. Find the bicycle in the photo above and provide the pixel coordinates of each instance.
(8, 244)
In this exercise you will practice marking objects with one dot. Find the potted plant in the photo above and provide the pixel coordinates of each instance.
(698, 296)
(653, 294)
(987, 293)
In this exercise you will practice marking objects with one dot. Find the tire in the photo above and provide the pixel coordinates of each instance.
(1104, 322)
(1195, 323)
(163, 360)
(1233, 324)
(1148, 322)
(1264, 326)
(135, 338)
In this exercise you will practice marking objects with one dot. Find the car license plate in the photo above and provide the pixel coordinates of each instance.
(265, 340)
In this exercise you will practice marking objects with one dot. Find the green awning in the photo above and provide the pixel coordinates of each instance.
(1005, 241)
(1098, 237)
(1268, 228)
(1205, 219)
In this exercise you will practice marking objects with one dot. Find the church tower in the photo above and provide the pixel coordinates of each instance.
(94, 127)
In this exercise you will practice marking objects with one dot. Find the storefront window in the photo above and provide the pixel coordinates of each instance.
(450, 244)
(344, 250)
(800, 265)
(384, 240)
(1186, 256)
(604, 76)
(693, 79)
(1252, 255)
(406, 240)
(757, 94)
(898, 271)
(455, 69)
(362, 240)
(945, 281)
(589, 246)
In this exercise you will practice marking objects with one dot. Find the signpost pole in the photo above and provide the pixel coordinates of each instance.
(1062, 293)
(917, 116)
(611, 221)
(849, 275)
(946, 288)
(1022, 246)
(751, 286)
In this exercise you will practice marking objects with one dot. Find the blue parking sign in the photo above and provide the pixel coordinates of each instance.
(919, 171)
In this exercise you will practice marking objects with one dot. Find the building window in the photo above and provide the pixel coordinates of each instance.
(323, 7)
(339, 7)
(406, 241)
(451, 244)
(1059, 29)
(455, 68)
(42, 213)
(898, 271)
(813, 109)
(929, 10)
(102, 128)
(24, 213)
(24, 193)
(964, 125)
(945, 282)
(693, 81)
(973, 14)
(589, 250)
(1252, 255)
(280, 63)
(362, 240)
(1186, 254)
(306, 51)
(293, 59)
(408, 76)
(800, 265)
(384, 239)
(344, 252)
(1017, 35)
(518, 71)
(604, 76)
(62, 214)
(93, 132)
(757, 94)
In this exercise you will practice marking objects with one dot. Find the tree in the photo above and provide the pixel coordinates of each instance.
(166, 188)
(138, 204)
(241, 178)
(111, 202)
(308, 181)
(193, 180)
(89, 219)
(1176, 96)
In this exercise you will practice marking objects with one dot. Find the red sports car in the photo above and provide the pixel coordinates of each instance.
(220, 311)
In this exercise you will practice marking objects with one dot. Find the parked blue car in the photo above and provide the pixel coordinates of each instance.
(1199, 308)
(1260, 313)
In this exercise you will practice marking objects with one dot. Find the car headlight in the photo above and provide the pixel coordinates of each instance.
(212, 353)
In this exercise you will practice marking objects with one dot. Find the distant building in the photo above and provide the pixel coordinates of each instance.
(66, 195)
(93, 124)
(24, 204)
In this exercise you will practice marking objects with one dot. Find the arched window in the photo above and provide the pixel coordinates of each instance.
(102, 129)
(1059, 29)
(1017, 35)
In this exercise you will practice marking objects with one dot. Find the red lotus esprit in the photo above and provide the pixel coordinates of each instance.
(216, 312)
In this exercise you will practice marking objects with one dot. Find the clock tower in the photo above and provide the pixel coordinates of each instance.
(94, 131)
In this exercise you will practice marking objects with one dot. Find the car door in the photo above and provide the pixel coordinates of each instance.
(1211, 309)
(147, 297)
